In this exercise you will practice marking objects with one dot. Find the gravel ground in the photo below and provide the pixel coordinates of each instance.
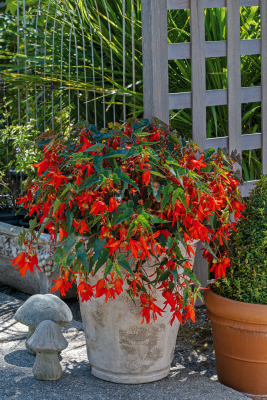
(194, 346)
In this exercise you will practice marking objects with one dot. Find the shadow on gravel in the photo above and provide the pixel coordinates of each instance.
(20, 358)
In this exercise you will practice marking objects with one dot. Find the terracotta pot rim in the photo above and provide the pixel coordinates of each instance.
(234, 310)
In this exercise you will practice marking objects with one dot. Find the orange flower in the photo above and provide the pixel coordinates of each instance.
(42, 166)
(62, 233)
(101, 288)
(146, 178)
(113, 246)
(112, 204)
(25, 263)
(97, 207)
(85, 291)
(147, 304)
(63, 284)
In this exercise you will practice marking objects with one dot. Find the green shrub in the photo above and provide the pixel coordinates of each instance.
(246, 279)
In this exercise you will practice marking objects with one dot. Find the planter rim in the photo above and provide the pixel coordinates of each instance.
(235, 310)
(11, 230)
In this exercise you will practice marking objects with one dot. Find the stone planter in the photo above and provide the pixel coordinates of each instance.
(38, 283)
(119, 348)
(240, 341)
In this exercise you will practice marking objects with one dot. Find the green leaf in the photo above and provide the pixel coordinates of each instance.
(69, 218)
(171, 286)
(164, 201)
(40, 231)
(207, 247)
(115, 179)
(124, 263)
(191, 275)
(116, 153)
(70, 259)
(98, 163)
(213, 221)
(185, 298)
(156, 193)
(102, 259)
(56, 205)
(70, 242)
(125, 178)
(158, 220)
(170, 243)
(164, 276)
(175, 275)
(89, 182)
(126, 215)
(108, 267)
(95, 147)
(167, 189)
(82, 256)
(180, 194)
(144, 222)
(98, 246)
(33, 223)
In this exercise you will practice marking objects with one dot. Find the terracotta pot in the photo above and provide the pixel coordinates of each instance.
(240, 342)
(119, 348)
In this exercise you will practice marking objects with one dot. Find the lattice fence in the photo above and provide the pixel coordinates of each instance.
(158, 101)
(157, 52)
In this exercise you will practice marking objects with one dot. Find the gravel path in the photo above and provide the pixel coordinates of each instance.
(194, 346)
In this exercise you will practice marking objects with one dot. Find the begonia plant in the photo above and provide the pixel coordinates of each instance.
(134, 187)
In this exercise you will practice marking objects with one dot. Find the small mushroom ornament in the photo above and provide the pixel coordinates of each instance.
(47, 341)
(41, 307)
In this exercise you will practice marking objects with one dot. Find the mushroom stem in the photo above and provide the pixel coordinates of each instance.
(47, 367)
(30, 333)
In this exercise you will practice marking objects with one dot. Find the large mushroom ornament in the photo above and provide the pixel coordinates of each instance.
(41, 307)
(47, 341)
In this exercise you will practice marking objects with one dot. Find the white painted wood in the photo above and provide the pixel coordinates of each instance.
(214, 97)
(155, 59)
(198, 72)
(182, 51)
(247, 187)
(215, 143)
(183, 4)
(249, 142)
(264, 84)
(234, 76)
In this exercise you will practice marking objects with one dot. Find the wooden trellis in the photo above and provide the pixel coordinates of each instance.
(157, 99)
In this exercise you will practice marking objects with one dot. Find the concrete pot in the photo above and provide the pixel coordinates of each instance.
(41, 282)
(119, 348)
(240, 341)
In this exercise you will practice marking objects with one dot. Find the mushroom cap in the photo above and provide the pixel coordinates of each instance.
(41, 307)
(47, 338)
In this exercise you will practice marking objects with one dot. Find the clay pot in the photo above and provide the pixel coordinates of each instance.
(240, 342)
(122, 350)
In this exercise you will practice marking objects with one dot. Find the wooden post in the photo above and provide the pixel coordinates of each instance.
(155, 59)
(198, 79)
(198, 73)
(234, 76)
(263, 6)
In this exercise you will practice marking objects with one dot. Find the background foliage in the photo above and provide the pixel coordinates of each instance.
(246, 279)
(50, 77)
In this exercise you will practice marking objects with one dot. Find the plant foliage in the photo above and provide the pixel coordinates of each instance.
(132, 193)
(246, 279)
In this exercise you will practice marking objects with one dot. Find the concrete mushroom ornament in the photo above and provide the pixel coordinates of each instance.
(42, 307)
(47, 341)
